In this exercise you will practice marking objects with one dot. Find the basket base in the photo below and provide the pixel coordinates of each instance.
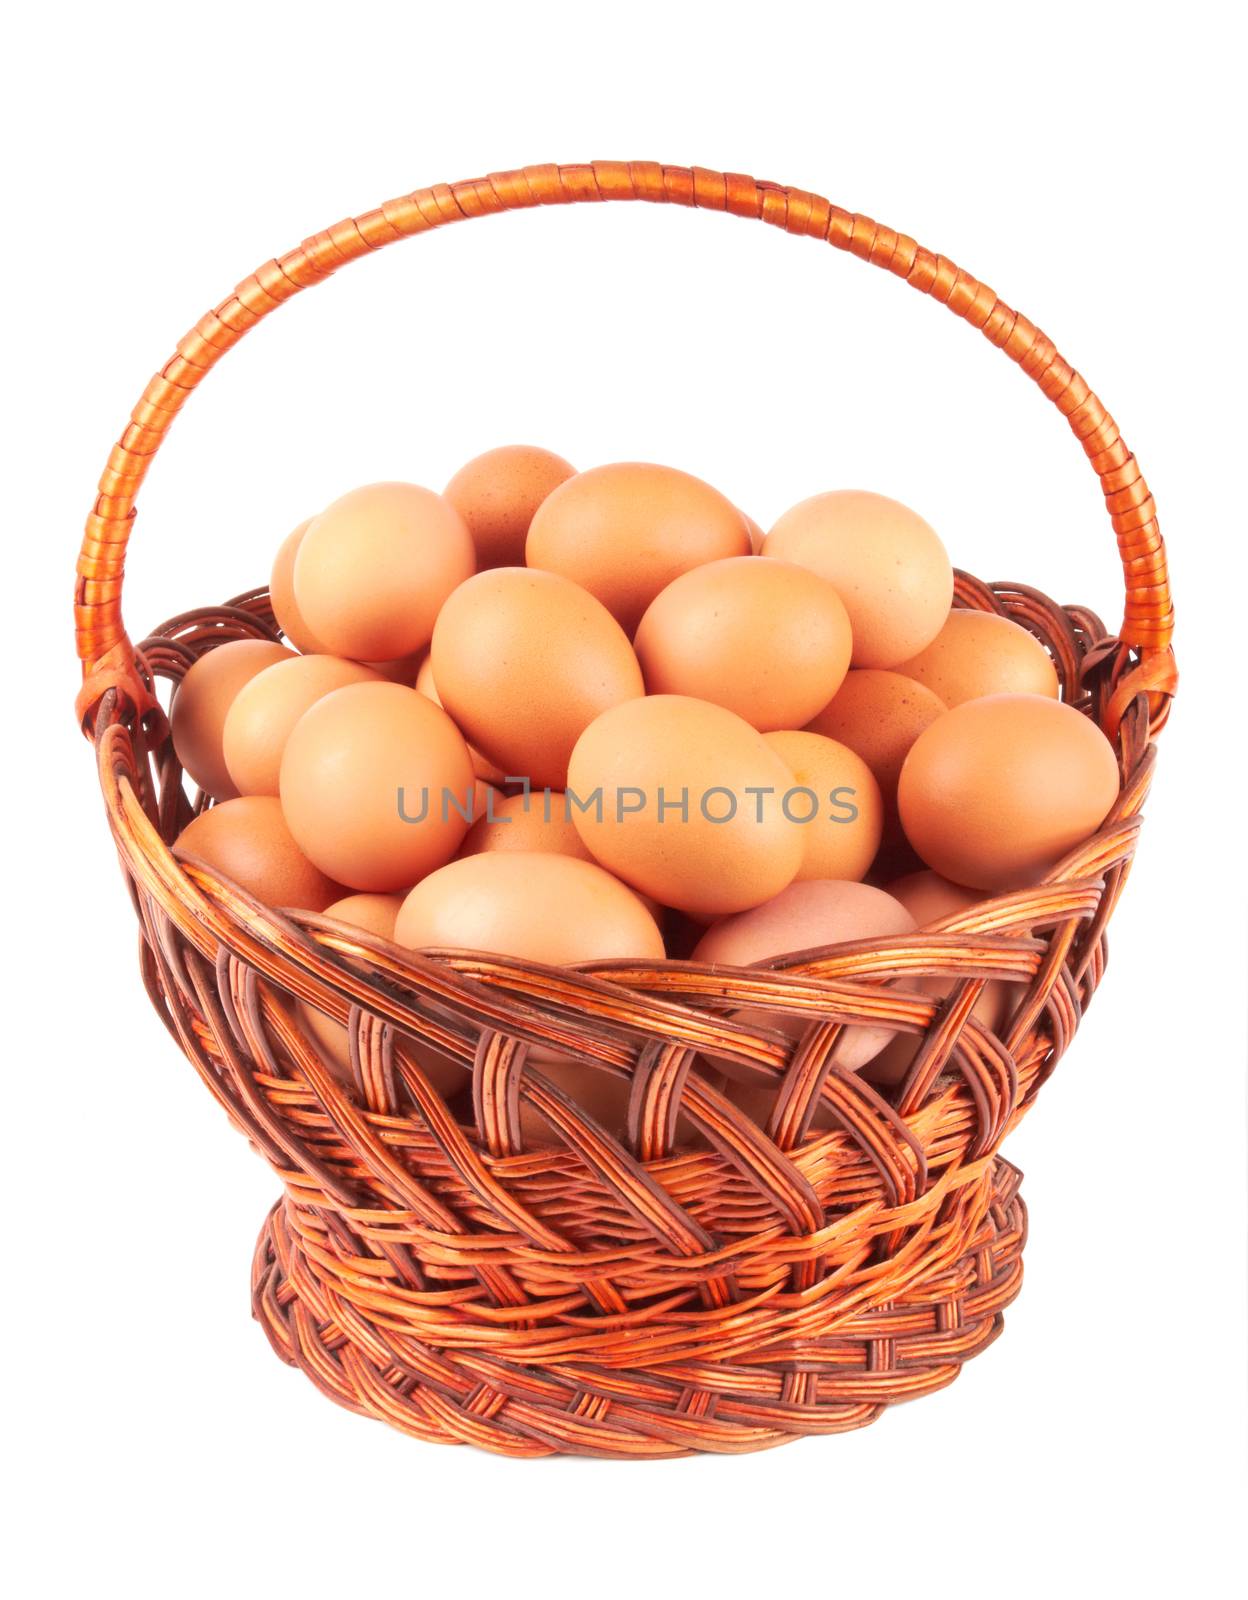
(871, 1360)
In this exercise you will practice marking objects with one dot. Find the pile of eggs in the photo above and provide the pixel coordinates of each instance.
(578, 716)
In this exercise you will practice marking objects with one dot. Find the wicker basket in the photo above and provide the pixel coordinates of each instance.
(661, 1293)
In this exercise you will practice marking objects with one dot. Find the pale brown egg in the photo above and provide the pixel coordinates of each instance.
(375, 914)
(537, 822)
(879, 715)
(764, 638)
(997, 790)
(524, 661)
(497, 494)
(806, 916)
(836, 801)
(371, 572)
(266, 708)
(930, 899)
(527, 822)
(887, 564)
(375, 780)
(756, 535)
(977, 653)
(683, 800)
(481, 764)
(290, 621)
(202, 702)
(248, 841)
(554, 909)
(282, 595)
(626, 530)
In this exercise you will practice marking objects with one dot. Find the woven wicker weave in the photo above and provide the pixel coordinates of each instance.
(666, 1292)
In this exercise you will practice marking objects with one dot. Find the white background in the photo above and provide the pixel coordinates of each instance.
(1078, 159)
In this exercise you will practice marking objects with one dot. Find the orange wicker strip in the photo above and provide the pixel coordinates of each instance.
(694, 1282)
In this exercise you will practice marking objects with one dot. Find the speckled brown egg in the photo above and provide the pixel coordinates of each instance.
(763, 638)
(555, 909)
(202, 702)
(807, 915)
(683, 800)
(997, 790)
(497, 495)
(282, 595)
(524, 661)
(626, 530)
(887, 564)
(375, 781)
(266, 708)
(248, 841)
(372, 570)
(535, 822)
(879, 715)
(978, 653)
(836, 801)
(484, 768)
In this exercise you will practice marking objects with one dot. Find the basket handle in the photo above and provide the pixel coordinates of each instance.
(107, 654)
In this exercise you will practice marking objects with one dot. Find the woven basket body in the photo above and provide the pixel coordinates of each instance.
(701, 1283)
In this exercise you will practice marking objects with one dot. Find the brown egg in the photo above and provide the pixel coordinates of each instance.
(756, 535)
(977, 653)
(930, 899)
(549, 908)
(524, 662)
(372, 571)
(374, 782)
(202, 703)
(837, 802)
(247, 840)
(497, 494)
(282, 595)
(601, 1095)
(481, 764)
(375, 914)
(529, 822)
(682, 799)
(997, 790)
(764, 638)
(879, 715)
(289, 620)
(267, 707)
(888, 566)
(624, 531)
(806, 916)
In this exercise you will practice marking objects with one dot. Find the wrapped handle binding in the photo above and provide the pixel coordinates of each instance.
(105, 650)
